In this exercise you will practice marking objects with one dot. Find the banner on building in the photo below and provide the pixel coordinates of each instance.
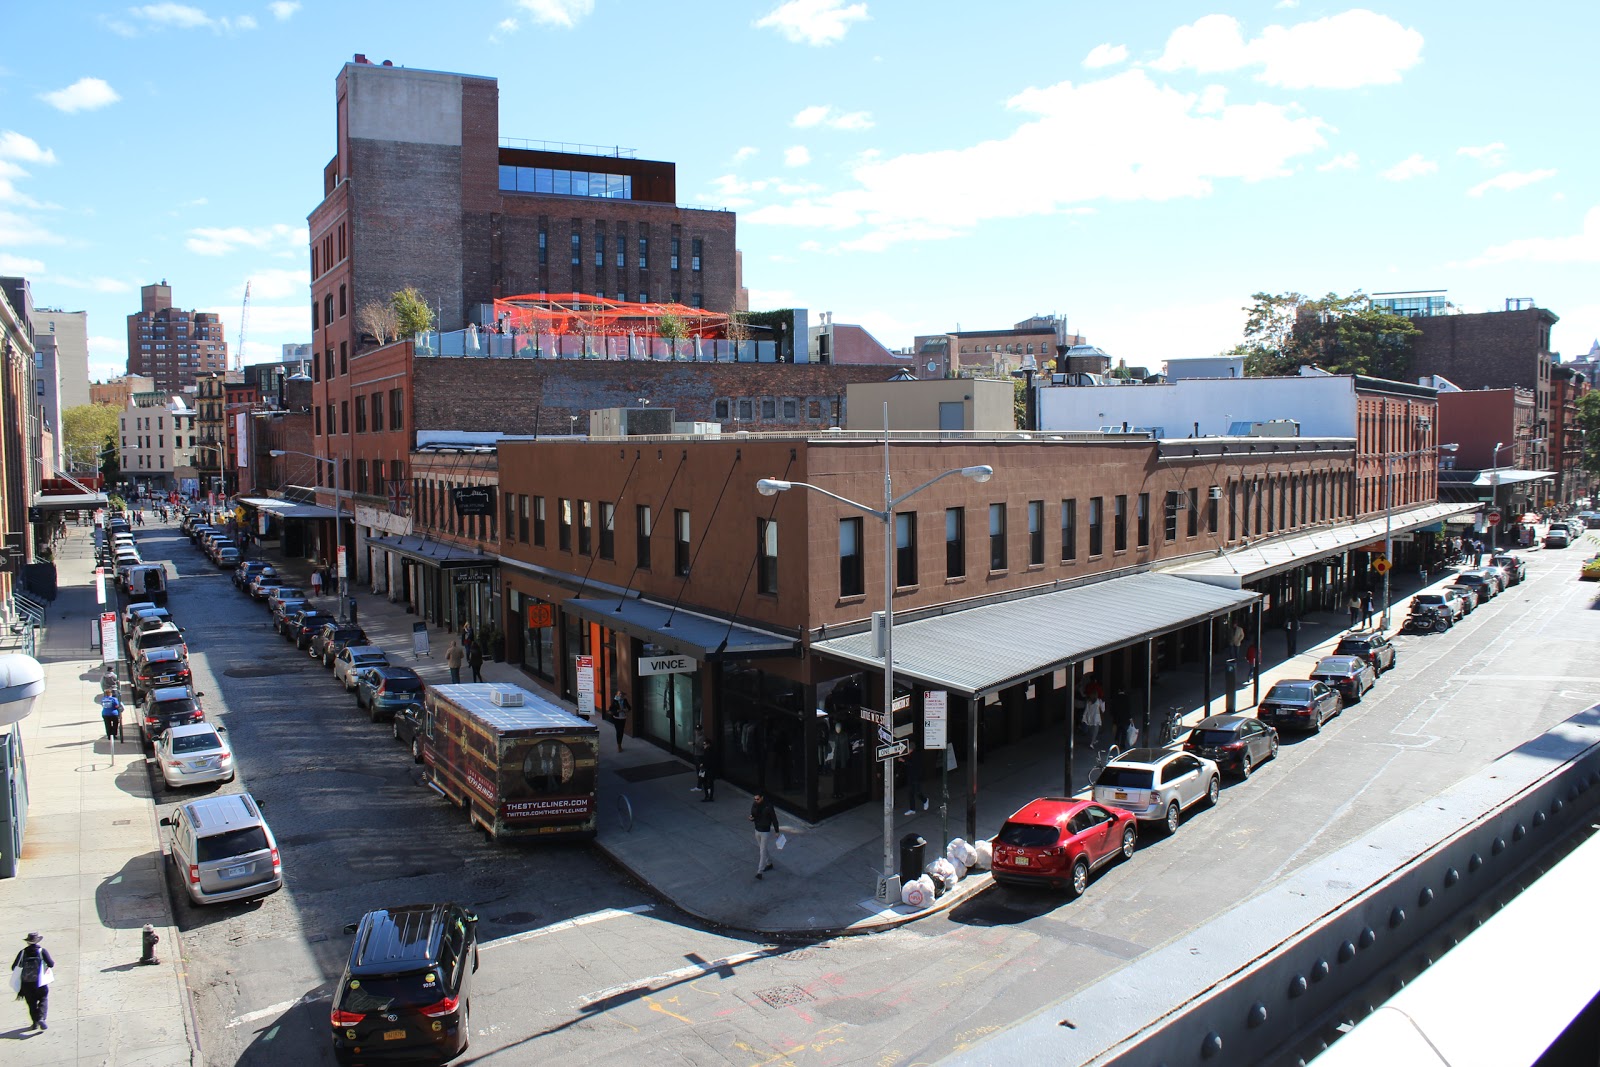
(242, 445)
(473, 500)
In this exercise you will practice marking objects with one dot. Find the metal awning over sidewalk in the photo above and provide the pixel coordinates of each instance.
(439, 553)
(981, 650)
(288, 509)
(1236, 567)
(68, 501)
(701, 636)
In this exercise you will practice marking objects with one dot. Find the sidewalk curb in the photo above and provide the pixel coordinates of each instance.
(969, 887)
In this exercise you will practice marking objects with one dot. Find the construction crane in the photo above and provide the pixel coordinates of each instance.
(244, 319)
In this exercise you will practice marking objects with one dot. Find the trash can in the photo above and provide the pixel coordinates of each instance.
(911, 847)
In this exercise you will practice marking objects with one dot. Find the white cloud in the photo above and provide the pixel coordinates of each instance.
(1105, 55)
(1511, 179)
(564, 13)
(276, 283)
(85, 94)
(1121, 138)
(16, 146)
(814, 22)
(1413, 166)
(98, 285)
(798, 156)
(810, 246)
(825, 115)
(745, 153)
(283, 10)
(183, 17)
(1582, 247)
(1490, 155)
(18, 230)
(217, 241)
(1287, 4)
(10, 264)
(1342, 161)
(1343, 51)
(773, 298)
(504, 29)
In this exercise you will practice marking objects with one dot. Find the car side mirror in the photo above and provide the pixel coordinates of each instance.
(166, 820)
(351, 928)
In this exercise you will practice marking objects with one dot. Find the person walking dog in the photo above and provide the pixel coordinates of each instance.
(33, 969)
(765, 818)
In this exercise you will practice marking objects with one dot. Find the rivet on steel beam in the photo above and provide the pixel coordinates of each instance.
(1319, 970)
(1297, 986)
(1425, 897)
(1519, 833)
(1538, 818)
(1398, 915)
(1257, 1015)
(1397, 984)
(1368, 936)
(1555, 808)
(1211, 1045)
(1498, 847)
(1474, 863)
(1347, 951)
(1451, 877)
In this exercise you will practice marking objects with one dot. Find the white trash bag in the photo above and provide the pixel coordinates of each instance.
(985, 854)
(918, 893)
(960, 853)
(944, 872)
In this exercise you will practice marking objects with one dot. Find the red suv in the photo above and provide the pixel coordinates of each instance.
(1058, 842)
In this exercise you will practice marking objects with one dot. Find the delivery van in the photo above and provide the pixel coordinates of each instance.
(147, 582)
(520, 764)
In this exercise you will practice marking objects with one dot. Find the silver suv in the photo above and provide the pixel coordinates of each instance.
(224, 850)
(1158, 784)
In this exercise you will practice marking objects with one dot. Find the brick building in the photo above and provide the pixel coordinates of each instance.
(1565, 447)
(211, 409)
(171, 345)
(119, 391)
(1498, 450)
(1493, 350)
(627, 549)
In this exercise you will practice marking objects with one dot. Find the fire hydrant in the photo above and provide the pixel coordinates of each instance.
(150, 939)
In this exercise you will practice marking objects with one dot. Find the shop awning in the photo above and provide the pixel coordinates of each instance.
(69, 501)
(439, 553)
(289, 509)
(980, 650)
(692, 634)
(1488, 479)
(1238, 566)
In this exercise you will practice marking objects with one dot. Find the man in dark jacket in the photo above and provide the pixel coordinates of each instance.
(765, 818)
(35, 963)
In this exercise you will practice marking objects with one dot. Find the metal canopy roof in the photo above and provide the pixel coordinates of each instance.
(68, 501)
(1235, 567)
(700, 636)
(426, 551)
(980, 650)
(288, 509)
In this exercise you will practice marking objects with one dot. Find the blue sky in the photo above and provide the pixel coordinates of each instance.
(911, 166)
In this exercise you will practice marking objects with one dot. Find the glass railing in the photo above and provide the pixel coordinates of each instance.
(485, 344)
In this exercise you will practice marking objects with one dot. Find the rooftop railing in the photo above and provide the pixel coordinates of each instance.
(482, 344)
(570, 148)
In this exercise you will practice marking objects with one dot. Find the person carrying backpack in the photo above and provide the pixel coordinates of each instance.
(32, 972)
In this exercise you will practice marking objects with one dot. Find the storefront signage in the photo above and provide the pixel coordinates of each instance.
(419, 639)
(586, 686)
(541, 616)
(667, 665)
(473, 500)
(472, 576)
(935, 708)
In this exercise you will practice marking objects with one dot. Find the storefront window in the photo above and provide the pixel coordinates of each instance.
(539, 636)
(844, 767)
(764, 736)
(669, 704)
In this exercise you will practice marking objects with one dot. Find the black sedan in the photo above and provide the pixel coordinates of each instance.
(407, 729)
(1236, 743)
(1350, 675)
(1301, 704)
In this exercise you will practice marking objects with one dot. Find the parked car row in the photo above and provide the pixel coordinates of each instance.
(211, 540)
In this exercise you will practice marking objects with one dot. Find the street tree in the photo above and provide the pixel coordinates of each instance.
(85, 428)
(1589, 423)
(1338, 334)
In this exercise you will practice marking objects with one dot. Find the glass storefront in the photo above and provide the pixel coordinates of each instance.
(538, 635)
(668, 705)
(763, 739)
(844, 766)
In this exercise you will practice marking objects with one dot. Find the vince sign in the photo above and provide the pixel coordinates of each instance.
(667, 665)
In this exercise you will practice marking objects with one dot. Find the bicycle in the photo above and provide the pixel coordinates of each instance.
(1101, 758)
(1171, 727)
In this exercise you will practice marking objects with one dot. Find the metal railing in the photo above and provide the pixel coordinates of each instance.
(488, 344)
(570, 148)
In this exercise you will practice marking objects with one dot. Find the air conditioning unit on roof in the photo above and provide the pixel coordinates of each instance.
(505, 697)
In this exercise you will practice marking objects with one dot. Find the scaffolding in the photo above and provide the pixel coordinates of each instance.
(589, 315)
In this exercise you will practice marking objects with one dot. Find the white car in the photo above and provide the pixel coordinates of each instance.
(1158, 784)
(348, 663)
(194, 755)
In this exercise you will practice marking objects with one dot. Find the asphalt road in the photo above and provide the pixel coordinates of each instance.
(579, 965)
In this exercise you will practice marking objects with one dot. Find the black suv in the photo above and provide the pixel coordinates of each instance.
(332, 638)
(163, 708)
(1370, 645)
(304, 624)
(406, 989)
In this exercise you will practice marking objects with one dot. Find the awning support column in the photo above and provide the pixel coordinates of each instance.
(1149, 684)
(1072, 722)
(1210, 641)
(974, 709)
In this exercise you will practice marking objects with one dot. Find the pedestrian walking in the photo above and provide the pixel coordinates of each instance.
(111, 715)
(1366, 608)
(1291, 635)
(1094, 713)
(1252, 659)
(1422, 572)
(765, 818)
(32, 972)
(316, 583)
(1235, 638)
(707, 770)
(475, 661)
(453, 656)
(618, 714)
(1354, 607)
(109, 686)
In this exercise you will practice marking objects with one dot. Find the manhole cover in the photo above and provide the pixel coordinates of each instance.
(784, 996)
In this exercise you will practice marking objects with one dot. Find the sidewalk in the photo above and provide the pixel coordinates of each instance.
(701, 857)
(91, 868)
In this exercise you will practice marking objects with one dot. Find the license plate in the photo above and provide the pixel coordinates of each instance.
(237, 872)
(1120, 795)
(1209, 753)
(206, 763)
(394, 1035)
(1022, 861)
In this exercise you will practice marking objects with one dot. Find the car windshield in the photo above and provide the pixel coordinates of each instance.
(158, 639)
(368, 995)
(1126, 777)
(1290, 691)
(1027, 835)
(205, 742)
(232, 843)
(1359, 644)
(1215, 737)
(1428, 598)
(168, 708)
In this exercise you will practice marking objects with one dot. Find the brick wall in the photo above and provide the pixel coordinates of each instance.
(509, 395)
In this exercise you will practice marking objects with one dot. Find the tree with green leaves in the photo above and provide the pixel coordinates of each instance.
(109, 460)
(1338, 334)
(1589, 423)
(84, 429)
(412, 312)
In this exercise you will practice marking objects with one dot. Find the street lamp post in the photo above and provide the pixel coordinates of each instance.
(887, 888)
(338, 515)
(1494, 492)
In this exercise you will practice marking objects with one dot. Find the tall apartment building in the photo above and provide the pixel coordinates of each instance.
(172, 345)
(70, 329)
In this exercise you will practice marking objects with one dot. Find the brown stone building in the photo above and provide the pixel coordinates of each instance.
(171, 345)
(634, 551)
